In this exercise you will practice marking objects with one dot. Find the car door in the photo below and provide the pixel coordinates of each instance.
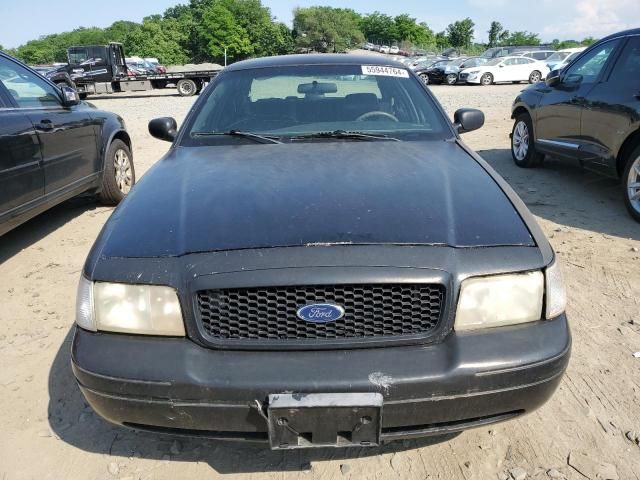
(66, 134)
(526, 66)
(505, 70)
(610, 109)
(21, 174)
(559, 113)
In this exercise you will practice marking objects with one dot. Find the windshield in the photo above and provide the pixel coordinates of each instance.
(558, 57)
(300, 100)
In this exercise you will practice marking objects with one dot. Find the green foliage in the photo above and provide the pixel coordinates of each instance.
(201, 29)
(403, 29)
(460, 33)
(442, 40)
(521, 38)
(160, 38)
(198, 31)
(218, 30)
(378, 27)
(560, 45)
(327, 29)
(497, 34)
(407, 29)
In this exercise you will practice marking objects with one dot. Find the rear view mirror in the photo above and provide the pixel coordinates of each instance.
(69, 96)
(553, 78)
(317, 88)
(164, 128)
(468, 119)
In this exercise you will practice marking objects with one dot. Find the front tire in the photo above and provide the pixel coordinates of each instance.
(523, 148)
(486, 79)
(535, 76)
(118, 174)
(631, 184)
(451, 79)
(425, 78)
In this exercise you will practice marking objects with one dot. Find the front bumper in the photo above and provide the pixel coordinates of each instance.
(470, 78)
(173, 385)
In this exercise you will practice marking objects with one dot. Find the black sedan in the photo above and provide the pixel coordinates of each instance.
(319, 260)
(53, 147)
(589, 112)
(443, 71)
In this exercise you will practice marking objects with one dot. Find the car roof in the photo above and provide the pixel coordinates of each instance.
(315, 59)
(624, 33)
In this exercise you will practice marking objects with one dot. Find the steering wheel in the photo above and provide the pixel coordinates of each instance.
(376, 113)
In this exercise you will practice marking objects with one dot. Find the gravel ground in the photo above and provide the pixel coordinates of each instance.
(49, 432)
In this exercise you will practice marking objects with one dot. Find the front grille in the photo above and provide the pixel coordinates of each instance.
(270, 313)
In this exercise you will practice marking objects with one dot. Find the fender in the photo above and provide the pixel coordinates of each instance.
(110, 126)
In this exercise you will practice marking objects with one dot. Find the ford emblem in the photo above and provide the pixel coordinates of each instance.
(320, 313)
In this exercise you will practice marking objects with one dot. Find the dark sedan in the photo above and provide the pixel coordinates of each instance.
(319, 260)
(53, 147)
(446, 71)
(589, 112)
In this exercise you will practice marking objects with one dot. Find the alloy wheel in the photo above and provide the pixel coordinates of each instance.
(535, 77)
(633, 185)
(425, 78)
(520, 141)
(123, 172)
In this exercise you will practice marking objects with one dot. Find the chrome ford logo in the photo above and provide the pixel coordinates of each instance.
(321, 313)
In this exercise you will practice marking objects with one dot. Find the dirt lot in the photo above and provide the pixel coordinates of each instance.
(47, 431)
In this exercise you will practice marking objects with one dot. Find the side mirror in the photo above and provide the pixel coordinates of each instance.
(69, 96)
(553, 78)
(467, 120)
(164, 128)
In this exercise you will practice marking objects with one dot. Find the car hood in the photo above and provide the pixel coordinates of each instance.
(201, 199)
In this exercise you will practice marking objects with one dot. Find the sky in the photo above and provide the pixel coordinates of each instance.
(563, 19)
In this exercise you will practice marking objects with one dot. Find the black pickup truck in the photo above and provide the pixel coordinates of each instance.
(99, 69)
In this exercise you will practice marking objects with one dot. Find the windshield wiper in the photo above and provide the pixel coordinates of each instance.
(348, 135)
(238, 133)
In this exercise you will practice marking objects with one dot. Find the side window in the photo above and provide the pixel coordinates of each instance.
(627, 69)
(589, 67)
(27, 89)
(510, 61)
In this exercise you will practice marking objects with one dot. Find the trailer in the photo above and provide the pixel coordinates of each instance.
(102, 69)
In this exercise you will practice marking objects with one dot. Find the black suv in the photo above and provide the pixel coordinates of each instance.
(53, 147)
(589, 111)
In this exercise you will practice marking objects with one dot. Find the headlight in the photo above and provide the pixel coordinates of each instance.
(138, 309)
(556, 294)
(500, 300)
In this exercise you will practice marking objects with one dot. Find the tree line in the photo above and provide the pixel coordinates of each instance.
(201, 30)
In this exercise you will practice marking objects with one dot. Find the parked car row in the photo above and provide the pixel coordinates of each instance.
(393, 49)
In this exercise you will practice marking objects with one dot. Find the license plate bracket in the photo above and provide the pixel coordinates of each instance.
(324, 420)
